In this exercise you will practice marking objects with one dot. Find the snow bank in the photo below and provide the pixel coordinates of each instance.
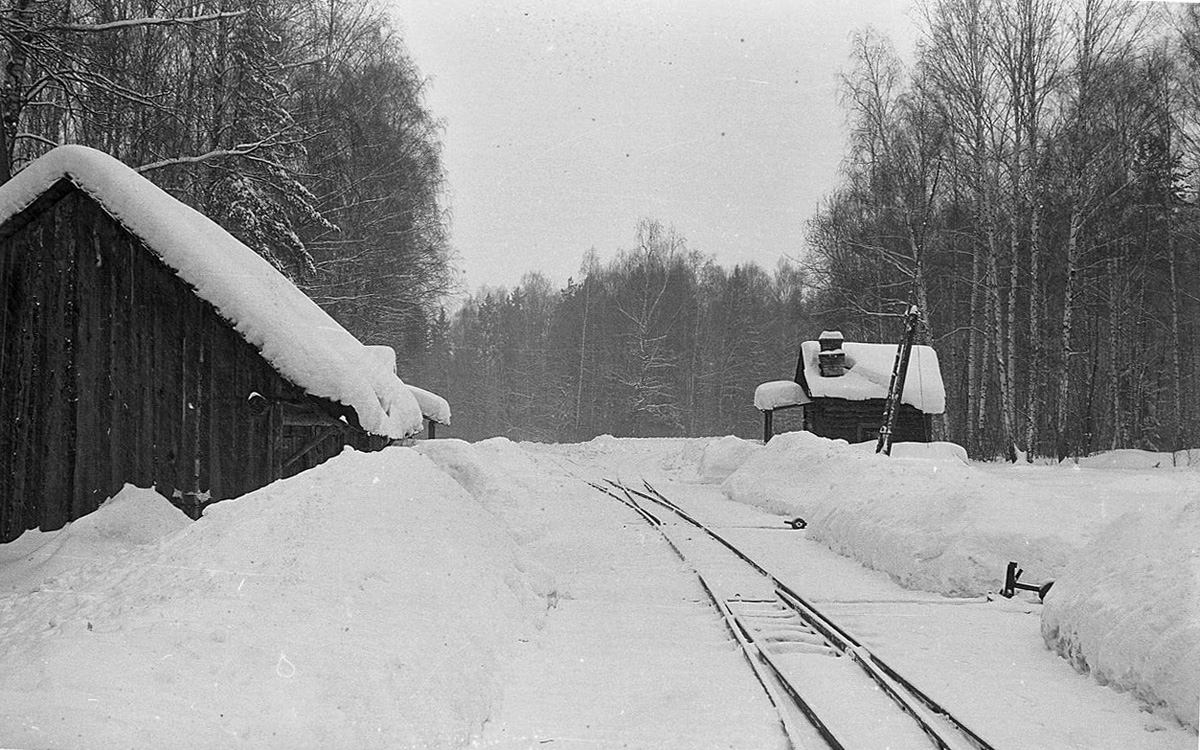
(635, 459)
(365, 603)
(131, 518)
(724, 456)
(1130, 458)
(294, 334)
(936, 449)
(1127, 609)
(500, 476)
(931, 523)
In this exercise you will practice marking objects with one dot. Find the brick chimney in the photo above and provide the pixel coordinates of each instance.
(831, 359)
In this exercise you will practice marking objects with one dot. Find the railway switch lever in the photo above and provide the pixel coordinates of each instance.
(1012, 583)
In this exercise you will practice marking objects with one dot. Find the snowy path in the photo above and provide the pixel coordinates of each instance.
(632, 654)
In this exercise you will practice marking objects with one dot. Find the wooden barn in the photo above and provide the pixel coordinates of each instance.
(841, 389)
(141, 343)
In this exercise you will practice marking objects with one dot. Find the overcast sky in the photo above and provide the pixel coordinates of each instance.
(566, 122)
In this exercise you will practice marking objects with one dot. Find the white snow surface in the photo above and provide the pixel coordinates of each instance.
(1131, 458)
(869, 373)
(777, 394)
(724, 456)
(432, 405)
(1123, 546)
(364, 604)
(1126, 608)
(482, 595)
(123, 523)
(299, 339)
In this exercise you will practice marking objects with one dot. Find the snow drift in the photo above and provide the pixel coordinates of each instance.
(364, 603)
(131, 518)
(1127, 610)
(931, 522)
(724, 456)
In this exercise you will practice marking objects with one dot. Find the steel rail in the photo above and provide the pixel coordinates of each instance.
(901, 690)
(823, 622)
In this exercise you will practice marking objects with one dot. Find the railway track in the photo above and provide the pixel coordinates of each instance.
(830, 690)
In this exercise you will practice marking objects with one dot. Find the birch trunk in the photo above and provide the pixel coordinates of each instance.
(1176, 343)
(974, 381)
(1008, 395)
(1033, 406)
(996, 327)
(1114, 348)
(1063, 443)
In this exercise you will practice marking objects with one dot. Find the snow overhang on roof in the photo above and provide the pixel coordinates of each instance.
(299, 339)
(779, 394)
(869, 373)
(432, 406)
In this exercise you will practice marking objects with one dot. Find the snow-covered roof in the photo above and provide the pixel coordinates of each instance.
(869, 373)
(433, 406)
(299, 339)
(779, 394)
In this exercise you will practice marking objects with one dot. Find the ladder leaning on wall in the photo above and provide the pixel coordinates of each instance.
(896, 388)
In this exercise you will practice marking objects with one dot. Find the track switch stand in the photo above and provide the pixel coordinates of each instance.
(1012, 583)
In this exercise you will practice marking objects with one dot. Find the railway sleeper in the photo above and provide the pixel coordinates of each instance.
(779, 629)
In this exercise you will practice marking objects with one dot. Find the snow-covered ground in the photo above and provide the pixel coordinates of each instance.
(455, 595)
(1123, 545)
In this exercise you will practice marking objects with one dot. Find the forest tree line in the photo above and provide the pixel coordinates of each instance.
(1029, 182)
(298, 125)
(658, 341)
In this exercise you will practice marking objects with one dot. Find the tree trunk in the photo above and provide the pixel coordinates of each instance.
(1064, 445)
(996, 326)
(587, 290)
(1114, 352)
(1033, 407)
(1009, 399)
(1176, 344)
(975, 399)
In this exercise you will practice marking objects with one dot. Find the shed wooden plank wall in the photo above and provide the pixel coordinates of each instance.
(114, 371)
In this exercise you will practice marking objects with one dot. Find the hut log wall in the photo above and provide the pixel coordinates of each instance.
(856, 421)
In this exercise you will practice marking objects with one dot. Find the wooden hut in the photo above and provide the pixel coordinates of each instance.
(843, 389)
(140, 343)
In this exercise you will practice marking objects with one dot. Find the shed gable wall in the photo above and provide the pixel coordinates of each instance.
(114, 371)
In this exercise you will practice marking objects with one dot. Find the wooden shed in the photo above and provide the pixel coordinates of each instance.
(843, 389)
(141, 343)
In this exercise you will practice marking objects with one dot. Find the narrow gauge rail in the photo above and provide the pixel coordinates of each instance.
(809, 666)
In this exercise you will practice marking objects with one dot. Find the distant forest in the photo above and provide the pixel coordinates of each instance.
(1030, 182)
(658, 342)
